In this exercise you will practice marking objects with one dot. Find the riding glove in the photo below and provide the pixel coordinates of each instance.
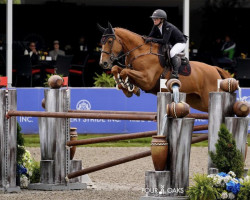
(148, 40)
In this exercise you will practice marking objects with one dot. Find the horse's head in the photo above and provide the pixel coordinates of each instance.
(111, 47)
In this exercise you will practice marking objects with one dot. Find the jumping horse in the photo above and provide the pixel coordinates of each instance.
(143, 68)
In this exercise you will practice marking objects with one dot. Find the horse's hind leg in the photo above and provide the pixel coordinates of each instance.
(195, 101)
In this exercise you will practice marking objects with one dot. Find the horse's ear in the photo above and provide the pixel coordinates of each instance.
(100, 28)
(110, 28)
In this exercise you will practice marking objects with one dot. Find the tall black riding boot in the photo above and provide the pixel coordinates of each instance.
(176, 63)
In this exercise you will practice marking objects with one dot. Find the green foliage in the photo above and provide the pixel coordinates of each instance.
(34, 141)
(20, 139)
(104, 80)
(14, 1)
(35, 177)
(203, 188)
(20, 143)
(227, 157)
(244, 193)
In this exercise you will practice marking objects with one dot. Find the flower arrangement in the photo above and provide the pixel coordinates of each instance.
(25, 168)
(228, 184)
(28, 170)
(220, 186)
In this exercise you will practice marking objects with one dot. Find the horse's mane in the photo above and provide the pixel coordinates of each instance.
(126, 30)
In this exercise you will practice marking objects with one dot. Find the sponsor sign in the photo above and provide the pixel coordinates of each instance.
(30, 99)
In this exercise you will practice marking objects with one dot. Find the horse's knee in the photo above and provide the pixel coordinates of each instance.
(114, 69)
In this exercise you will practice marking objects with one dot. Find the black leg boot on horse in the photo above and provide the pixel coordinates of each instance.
(176, 63)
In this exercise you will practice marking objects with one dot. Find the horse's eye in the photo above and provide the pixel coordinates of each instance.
(110, 41)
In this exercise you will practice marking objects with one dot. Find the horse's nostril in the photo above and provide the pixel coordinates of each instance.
(105, 63)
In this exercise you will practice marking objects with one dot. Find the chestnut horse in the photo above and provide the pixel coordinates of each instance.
(143, 68)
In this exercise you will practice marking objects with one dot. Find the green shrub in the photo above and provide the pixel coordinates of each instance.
(35, 177)
(203, 188)
(244, 193)
(227, 157)
(104, 80)
(20, 143)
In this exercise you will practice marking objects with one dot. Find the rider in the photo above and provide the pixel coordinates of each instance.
(166, 33)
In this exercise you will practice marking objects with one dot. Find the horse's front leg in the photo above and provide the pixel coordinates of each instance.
(116, 70)
(129, 75)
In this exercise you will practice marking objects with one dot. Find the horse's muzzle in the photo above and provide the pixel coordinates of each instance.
(105, 65)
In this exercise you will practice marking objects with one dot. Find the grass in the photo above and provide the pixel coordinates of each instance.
(34, 141)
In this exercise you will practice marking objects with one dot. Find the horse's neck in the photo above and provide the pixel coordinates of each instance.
(129, 39)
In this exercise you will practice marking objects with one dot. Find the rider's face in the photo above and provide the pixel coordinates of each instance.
(157, 21)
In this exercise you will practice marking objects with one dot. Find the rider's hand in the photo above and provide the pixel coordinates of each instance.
(148, 40)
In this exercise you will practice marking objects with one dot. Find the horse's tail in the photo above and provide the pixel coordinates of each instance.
(224, 74)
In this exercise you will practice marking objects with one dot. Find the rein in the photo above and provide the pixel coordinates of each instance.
(117, 58)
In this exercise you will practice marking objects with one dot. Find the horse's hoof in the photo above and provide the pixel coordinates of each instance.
(137, 91)
(129, 94)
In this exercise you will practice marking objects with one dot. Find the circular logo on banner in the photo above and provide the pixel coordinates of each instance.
(83, 105)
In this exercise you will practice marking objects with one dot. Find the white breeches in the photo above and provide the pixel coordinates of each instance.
(177, 48)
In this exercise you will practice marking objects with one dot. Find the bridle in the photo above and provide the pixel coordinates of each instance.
(117, 58)
(104, 40)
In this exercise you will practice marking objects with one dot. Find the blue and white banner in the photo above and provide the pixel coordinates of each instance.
(30, 99)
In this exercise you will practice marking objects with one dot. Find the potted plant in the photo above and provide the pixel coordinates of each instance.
(104, 80)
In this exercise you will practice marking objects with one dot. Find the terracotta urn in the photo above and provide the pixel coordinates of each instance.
(178, 110)
(241, 108)
(43, 103)
(229, 85)
(55, 82)
(171, 83)
(159, 152)
(73, 136)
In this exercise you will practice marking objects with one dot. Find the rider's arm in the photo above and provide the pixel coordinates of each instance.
(165, 38)
(152, 33)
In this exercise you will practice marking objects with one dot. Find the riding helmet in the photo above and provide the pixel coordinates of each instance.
(159, 14)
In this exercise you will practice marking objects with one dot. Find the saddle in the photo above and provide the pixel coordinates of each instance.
(185, 68)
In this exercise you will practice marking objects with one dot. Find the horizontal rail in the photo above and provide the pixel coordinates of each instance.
(113, 112)
(108, 164)
(122, 160)
(200, 127)
(123, 137)
(112, 138)
(191, 115)
(81, 115)
(121, 115)
(200, 138)
(198, 115)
